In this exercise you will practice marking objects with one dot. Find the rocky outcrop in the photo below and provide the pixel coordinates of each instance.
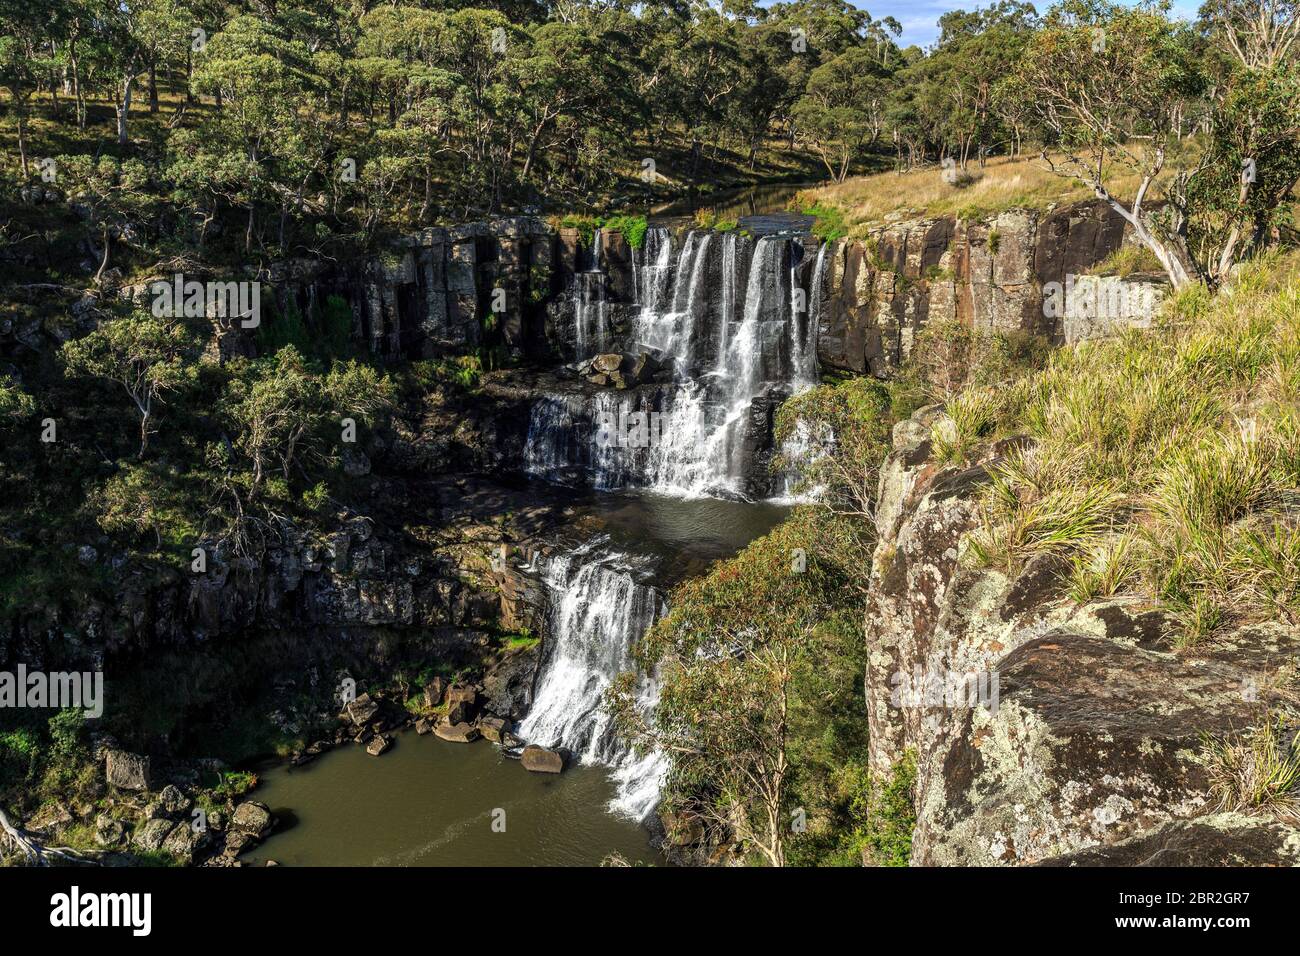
(997, 273)
(427, 294)
(1045, 730)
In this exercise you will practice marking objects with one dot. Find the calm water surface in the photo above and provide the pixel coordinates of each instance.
(428, 802)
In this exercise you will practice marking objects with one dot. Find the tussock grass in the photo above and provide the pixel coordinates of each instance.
(1036, 505)
(1166, 462)
(1127, 260)
(1257, 773)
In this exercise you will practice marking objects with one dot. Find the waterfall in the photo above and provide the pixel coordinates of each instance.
(599, 610)
(735, 350)
(652, 270)
(591, 307)
(804, 341)
(591, 332)
(727, 298)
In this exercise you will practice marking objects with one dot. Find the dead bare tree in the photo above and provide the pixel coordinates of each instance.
(38, 854)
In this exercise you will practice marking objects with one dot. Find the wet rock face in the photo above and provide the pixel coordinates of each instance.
(1076, 733)
(988, 274)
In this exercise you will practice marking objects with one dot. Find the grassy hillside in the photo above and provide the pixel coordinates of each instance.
(1166, 463)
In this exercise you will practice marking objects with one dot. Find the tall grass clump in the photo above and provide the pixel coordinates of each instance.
(1258, 773)
(1163, 463)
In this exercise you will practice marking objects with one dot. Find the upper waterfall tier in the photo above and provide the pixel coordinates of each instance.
(730, 320)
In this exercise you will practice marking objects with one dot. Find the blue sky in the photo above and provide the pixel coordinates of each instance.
(919, 17)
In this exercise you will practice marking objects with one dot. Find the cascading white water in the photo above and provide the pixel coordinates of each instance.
(726, 353)
(599, 611)
(591, 306)
(705, 446)
(652, 270)
(803, 344)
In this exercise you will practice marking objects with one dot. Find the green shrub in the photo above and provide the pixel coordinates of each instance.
(632, 228)
(891, 817)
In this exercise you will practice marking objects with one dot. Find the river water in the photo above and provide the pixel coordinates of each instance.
(427, 802)
(431, 803)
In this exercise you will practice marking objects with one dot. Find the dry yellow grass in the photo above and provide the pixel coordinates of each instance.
(1002, 184)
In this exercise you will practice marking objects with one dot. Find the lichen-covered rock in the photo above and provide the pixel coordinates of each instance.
(253, 818)
(1042, 729)
(150, 836)
(1221, 839)
(183, 842)
(127, 771)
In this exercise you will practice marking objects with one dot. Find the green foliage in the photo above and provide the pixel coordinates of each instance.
(21, 754)
(234, 784)
(829, 222)
(146, 356)
(632, 228)
(285, 412)
(767, 641)
(325, 336)
(586, 226)
(887, 840)
(14, 402)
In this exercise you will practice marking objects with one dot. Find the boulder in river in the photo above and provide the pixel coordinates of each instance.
(361, 710)
(379, 745)
(542, 760)
(459, 733)
(252, 817)
(493, 728)
(423, 726)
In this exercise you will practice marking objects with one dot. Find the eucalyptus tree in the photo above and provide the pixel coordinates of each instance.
(1110, 85)
(842, 113)
(269, 83)
(24, 35)
(147, 356)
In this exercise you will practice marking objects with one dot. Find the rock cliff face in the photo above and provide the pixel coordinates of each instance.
(1046, 731)
(525, 284)
(990, 274)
